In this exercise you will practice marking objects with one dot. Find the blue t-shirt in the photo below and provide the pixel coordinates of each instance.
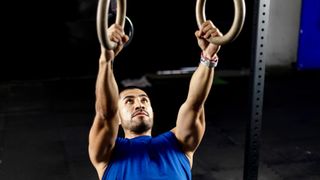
(148, 158)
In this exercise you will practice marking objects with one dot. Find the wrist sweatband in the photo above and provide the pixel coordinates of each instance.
(209, 62)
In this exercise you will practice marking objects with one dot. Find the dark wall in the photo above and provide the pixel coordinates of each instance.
(58, 38)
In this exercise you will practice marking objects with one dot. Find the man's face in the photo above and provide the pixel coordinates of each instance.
(135, 109)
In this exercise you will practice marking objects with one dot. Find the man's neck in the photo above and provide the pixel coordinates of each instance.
(131, 135)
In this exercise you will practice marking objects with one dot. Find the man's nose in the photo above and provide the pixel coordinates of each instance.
(139, 105)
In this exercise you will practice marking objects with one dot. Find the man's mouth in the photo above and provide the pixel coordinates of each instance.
(140, 113)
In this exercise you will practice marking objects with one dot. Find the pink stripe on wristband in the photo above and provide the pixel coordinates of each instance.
(209, 62)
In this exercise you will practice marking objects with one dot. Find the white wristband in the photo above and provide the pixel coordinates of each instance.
(211, 63)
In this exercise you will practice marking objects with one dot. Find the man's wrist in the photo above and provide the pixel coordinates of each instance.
(211, 62)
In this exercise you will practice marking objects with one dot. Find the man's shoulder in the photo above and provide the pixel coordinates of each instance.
(167, 134)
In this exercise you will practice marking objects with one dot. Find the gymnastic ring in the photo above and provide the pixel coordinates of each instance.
(128, 27)
(102, 21)
(130, 31)
(238, 21)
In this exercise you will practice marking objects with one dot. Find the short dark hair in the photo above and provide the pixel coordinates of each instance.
(123, 88)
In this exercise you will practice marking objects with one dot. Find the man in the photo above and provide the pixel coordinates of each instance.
(139, 156)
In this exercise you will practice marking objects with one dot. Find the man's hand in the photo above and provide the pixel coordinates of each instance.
(116, 34)
(206, 31)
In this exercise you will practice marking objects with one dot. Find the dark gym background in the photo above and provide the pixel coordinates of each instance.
(48, 67)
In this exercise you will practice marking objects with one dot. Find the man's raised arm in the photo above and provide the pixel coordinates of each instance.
(190, 124)
(104, 129)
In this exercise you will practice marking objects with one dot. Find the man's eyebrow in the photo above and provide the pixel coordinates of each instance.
(143, 95)
(127, 97)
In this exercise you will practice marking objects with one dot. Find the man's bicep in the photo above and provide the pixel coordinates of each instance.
(190, 127)
(102, 137)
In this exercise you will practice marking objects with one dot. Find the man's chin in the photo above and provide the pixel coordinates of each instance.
(141, 127)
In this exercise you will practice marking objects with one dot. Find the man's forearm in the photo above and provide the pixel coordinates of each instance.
(106, 90)
(200, 85)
